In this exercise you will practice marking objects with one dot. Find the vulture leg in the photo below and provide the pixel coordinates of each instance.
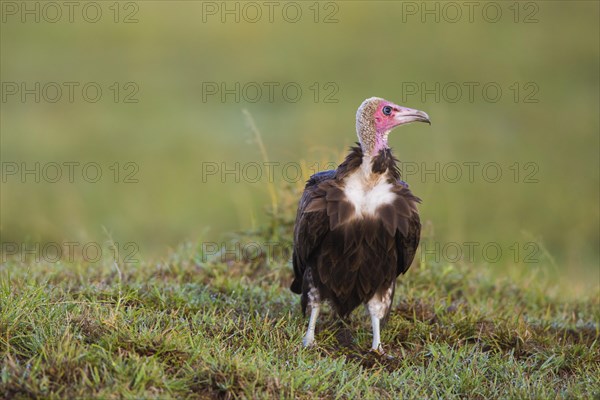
(376, 346)
(309, 338)
(378, 307)
(314, 304)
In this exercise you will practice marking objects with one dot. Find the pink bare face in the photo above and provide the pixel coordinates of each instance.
(389, 115)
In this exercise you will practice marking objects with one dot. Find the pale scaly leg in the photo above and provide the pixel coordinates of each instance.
(378, 307)
(314, 305)
(309, 338)
(376, 316)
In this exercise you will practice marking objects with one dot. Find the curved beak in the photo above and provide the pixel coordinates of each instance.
(406, 115)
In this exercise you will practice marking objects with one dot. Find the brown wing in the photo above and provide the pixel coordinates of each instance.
(401, 220)
(409, 228)
(312, 223)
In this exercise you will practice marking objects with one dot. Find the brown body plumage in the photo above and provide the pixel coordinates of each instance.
(353, 258)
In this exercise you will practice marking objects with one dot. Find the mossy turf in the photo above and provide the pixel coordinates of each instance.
(191, 326)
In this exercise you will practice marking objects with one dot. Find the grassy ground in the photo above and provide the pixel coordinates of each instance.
(228, 327)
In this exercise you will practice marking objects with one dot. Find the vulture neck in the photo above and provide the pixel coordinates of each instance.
(381, 165)
(381, 162)
(372, 142)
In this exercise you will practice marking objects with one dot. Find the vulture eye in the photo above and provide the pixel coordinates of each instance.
(387, 110)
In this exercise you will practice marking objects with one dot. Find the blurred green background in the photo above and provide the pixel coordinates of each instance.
(170, 53)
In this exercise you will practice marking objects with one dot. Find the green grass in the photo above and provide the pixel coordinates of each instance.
(188, 326)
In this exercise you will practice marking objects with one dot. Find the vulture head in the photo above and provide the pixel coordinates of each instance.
(375, 119)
